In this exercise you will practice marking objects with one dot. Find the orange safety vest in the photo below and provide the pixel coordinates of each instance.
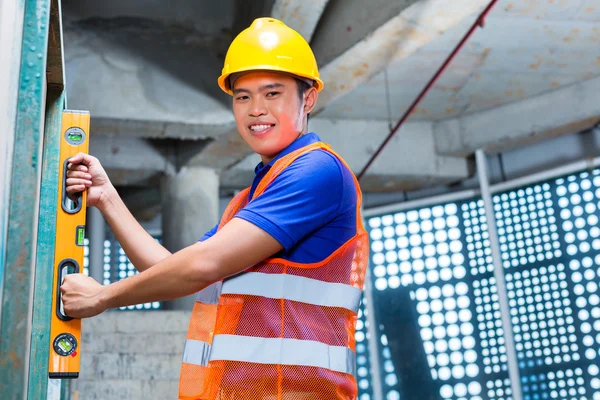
(279, 330)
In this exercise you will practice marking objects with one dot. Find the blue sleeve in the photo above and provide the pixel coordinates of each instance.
(209, 234)
(307, 195)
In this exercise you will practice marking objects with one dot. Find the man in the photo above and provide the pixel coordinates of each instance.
(279, 279)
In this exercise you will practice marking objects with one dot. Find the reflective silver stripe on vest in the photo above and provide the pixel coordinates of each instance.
(283, 351)
(196, 352)
(292, 287)
(210, 294)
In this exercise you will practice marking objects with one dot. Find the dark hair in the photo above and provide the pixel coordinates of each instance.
(302, 88)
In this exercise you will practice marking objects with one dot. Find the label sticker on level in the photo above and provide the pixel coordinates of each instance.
(80, 235)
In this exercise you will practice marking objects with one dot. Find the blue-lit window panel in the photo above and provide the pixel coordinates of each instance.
(424, 251)
(542, 317)
(107, 266)
(462, 390)
(550, 247)
(594, 376)
(416, 247)
(123, 268)
(117, 266)
(364, 372)
(447, 331)
(388, 372)
(578, 201)
(585, 274)
(498, 389)
(86, 257)
(493, 349)
(363, 363)
(527, 228)
(477, 237)
(559, 384)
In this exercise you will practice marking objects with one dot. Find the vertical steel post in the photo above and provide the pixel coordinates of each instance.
(513, 365)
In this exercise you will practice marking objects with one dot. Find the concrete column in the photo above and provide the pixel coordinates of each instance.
(96, 227)
(190, 207)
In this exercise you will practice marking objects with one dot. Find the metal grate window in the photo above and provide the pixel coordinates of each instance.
(363, 365)
(117, 266)
(440, 257)
(86, 257)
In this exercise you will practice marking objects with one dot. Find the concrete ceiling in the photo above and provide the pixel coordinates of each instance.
(526, 48)
(146, 69)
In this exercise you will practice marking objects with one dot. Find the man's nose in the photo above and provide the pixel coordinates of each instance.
(258, 108)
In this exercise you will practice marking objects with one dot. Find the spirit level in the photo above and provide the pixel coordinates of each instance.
(65, 332)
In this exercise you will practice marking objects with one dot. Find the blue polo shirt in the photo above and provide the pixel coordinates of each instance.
(310, 208)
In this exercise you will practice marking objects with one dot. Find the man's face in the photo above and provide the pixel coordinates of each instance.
(268, 112)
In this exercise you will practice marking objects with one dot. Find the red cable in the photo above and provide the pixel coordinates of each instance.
(478, 22)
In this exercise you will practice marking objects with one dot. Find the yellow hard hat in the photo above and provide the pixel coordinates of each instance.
(269, 45)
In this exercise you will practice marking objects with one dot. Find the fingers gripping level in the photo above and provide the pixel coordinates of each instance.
(65, 332)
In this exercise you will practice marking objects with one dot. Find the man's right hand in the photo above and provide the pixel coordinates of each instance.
(86, 172)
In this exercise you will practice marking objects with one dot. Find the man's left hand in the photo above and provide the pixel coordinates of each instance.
(82, 296)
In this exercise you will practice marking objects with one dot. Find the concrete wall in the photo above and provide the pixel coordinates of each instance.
(131, 355)
(516, 163)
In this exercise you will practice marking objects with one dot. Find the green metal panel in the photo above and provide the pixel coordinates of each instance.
(65, 390)
(11, 14)
(22, 212)
(46, 238)
(40, 331)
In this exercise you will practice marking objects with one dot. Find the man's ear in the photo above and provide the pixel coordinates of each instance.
(310, 99)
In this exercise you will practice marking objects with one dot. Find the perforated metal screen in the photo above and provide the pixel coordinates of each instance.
(116, 266)
(441, 257)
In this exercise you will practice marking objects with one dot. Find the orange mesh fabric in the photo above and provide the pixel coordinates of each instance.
(201, 327)
(235, 205)
(202, 322)
(262, 317)
(203, 319)
(250, 381)
(191, 379)
(259, 316)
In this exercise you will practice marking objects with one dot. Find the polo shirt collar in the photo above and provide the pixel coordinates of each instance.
(302, 141)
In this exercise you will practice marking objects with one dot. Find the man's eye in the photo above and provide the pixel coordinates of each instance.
(271, 94)
(242, 98)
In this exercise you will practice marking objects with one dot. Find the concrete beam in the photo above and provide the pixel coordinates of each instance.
(122, 127)
(202, 16)
(121, 82)
(246, 12)
(408, 162)
(350, 22)
(123, 153)
(301, 15)
(566, 110)
(395, 34)
(224, 152)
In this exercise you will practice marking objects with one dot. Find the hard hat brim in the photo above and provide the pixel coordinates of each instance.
(224, 78)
